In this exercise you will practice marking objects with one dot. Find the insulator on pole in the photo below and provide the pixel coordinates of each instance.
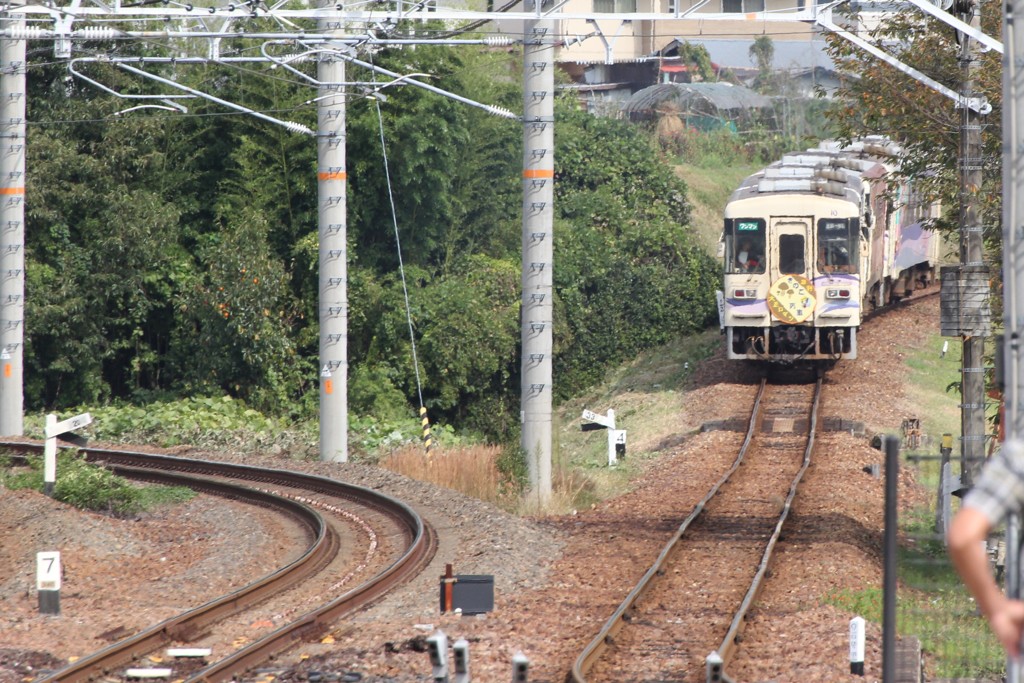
(26, 33)
(297, 128)
(501, 111)
(96, 33)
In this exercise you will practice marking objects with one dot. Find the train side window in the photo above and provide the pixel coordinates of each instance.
(791, 254)
(745, 250)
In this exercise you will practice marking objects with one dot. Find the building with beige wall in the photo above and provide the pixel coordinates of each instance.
(609, 59)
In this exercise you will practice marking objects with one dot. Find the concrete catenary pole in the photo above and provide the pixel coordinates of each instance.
(333, 304)
(1013, 272)
(972, 260)
(12, 227)
(538, 252)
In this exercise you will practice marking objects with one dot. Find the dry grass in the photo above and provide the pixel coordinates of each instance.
(472, 470)
(571, 490)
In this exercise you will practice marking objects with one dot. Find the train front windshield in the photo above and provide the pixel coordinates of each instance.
(838, 244)
(745, 240)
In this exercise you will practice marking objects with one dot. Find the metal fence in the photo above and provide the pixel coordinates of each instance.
(931, 603)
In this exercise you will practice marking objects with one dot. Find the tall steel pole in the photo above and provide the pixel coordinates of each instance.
(1013, 277)
(1013, 223)
(12, 227)
(538, 253)
(333, 303)
(974, 270)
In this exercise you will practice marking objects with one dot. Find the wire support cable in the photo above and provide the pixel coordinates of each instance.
(401, 263)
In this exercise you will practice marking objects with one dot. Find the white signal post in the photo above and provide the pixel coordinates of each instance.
(53, 430)
(616, 437)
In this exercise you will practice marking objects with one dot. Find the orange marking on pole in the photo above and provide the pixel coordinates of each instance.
(12, 190)
(332, 175)
(328, 386)
(539, 173)
(7, 370)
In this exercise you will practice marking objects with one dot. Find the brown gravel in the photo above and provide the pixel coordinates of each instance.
(557, 579)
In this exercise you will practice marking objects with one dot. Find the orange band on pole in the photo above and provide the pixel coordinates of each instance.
(12, 190)
(539, 173)
(333, 175)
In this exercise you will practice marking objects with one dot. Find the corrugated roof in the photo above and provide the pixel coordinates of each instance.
(722, 96)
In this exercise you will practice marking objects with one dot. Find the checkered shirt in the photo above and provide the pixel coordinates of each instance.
(999, 489)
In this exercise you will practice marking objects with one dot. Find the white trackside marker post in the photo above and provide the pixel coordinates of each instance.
(460, 650)
(50, 458)
(520, 668)
(437, 645)
(48, 581)
(857, 646)
(616, 437)
(53, 430)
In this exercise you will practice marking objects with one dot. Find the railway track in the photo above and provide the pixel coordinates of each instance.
(396, 544)
(684, 618)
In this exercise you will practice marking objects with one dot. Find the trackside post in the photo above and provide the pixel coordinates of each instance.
(437, 645)
(48, 581)
(857, 646)
(53, 430)
(616, 437)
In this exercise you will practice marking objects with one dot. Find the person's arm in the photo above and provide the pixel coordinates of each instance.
(967, 532)
(969, 528)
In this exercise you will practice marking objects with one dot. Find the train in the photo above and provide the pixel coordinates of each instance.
(812, 243)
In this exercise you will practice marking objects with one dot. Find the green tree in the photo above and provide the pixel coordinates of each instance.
(238, 310)
(628, 273)
(876, 98)
(453, 170)
(102, 255)
(178, 254)
(762, 51)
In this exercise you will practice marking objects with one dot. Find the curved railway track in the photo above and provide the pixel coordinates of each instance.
(711, 570)
(301, 497)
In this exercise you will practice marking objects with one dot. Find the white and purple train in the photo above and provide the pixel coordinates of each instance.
(813, 242)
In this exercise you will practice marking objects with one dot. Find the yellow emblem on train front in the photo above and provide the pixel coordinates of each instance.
(791, 298)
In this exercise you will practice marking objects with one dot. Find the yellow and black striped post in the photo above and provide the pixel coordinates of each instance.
(428, 442)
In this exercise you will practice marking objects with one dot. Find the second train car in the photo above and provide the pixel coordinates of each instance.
(814, 241)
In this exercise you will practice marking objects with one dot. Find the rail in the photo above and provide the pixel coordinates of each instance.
(627, 611)
(593, 651)
(420, 547)
(727, 648)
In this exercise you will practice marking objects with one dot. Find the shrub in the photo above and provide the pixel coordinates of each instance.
(90, 487)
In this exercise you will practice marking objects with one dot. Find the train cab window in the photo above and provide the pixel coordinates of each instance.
(838, 244)
(744, 251)
(791, 254)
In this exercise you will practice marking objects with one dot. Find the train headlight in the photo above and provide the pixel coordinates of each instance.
(837, 293)
(744, 293)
